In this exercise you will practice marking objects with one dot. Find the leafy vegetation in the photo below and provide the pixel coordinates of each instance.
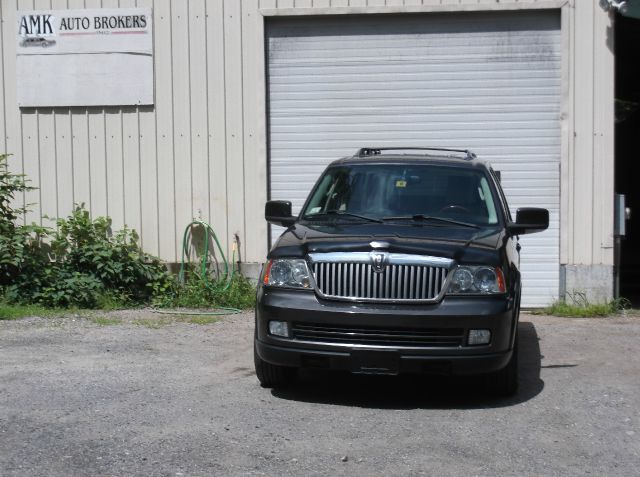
(196, 292)
(81, 263)
(577, 305)
(16, 241)
(85, 265)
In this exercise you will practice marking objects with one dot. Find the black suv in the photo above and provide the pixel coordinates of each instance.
(399, 262)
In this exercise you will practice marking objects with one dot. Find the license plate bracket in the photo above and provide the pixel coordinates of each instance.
(375, 362)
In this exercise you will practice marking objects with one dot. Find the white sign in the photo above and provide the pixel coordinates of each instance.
(97, 57)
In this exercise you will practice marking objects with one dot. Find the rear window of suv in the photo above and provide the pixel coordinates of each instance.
(391, 190)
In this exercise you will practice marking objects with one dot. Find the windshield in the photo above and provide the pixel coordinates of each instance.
(403, 192)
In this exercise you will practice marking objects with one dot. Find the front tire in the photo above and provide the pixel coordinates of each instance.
(504, 382)
(272, 375)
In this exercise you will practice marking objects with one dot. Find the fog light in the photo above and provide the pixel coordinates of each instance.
(479, 337)
(279, 328)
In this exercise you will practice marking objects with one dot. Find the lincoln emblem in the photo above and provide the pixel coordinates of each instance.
(378, 261)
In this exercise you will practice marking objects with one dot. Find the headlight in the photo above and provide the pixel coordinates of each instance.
(287, 272)
(477, 280)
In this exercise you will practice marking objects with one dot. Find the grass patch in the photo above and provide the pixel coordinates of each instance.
(15, 312)
(195, 292)
(576, 305)
(104, 321)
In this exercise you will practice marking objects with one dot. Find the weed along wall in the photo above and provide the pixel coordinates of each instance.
(160, 112)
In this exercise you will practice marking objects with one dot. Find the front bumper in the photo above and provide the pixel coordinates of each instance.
(496, 314)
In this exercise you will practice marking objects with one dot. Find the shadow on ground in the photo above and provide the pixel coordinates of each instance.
(415, 392)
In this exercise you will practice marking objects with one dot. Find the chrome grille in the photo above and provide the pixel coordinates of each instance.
(403, 278)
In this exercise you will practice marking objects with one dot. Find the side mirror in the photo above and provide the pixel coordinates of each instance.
(278, 212)
(529, 220)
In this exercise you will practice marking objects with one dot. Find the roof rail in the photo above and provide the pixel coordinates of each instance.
(376, 151)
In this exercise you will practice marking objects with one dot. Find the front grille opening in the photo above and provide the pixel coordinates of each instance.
(395, 282)
(366, 335)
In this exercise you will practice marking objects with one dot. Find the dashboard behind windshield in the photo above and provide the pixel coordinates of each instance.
(397, 190)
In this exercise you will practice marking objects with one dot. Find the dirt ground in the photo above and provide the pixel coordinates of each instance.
(134, 393)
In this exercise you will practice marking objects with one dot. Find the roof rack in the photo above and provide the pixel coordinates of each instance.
(376, 151)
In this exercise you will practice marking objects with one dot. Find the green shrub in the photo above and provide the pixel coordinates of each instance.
(115, 260)
(18, 243)
(86, 266)
(196, 292)
(82, 264)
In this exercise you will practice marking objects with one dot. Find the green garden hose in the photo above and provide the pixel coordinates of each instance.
(208, 230)
(223, 284)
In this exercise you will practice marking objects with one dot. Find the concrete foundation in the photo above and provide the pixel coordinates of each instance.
(251, 270)
(595, 282)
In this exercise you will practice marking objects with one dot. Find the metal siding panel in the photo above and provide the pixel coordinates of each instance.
(584, 132)
(115, 200)
(235, 119)
(131, 167)
(31, 158)
(198, 90)
(3, 110)
(182, 118)
(149, 229)
(255, 166)
(405, 80)
(47, 163)
(216, 96)
(164, 131)
(603, 154)
(64, 153)
(149, 233)
(80, 157)
(13, 121)
(63, 145)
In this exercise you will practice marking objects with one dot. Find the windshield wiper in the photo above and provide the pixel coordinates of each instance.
(346, 214)
(424, 218)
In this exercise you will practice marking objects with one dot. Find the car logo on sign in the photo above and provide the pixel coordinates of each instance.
(378, 261)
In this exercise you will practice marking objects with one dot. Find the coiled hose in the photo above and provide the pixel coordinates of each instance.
(221, 285)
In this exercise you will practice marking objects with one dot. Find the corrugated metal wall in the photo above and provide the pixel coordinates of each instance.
(201, 150)
(153, 168)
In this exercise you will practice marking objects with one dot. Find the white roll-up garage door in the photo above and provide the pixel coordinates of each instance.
(490, 82)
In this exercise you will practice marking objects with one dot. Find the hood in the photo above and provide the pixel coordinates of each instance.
(463, 244)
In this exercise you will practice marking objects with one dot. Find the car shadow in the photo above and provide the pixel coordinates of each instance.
(416, 392)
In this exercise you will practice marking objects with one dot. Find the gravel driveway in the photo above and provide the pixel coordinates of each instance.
(138, 394)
